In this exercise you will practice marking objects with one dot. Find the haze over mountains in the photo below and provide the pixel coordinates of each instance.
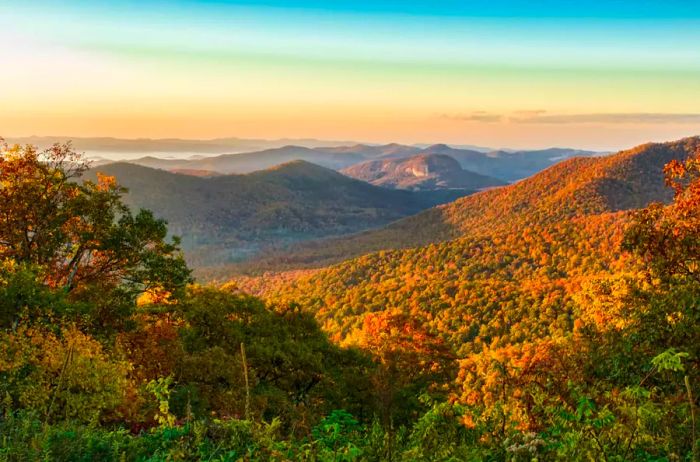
(253, 161)
(228, 217)
(570, 190)
(282, 196)
(493, 272)
(120, 149)
(504, 165)
(226, 156)
(239, 155)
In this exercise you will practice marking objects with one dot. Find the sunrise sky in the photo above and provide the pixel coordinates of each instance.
(596, 74)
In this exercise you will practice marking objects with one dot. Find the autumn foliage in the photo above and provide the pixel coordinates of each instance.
(558, 326)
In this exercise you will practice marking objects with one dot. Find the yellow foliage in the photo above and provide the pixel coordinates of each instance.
(61, 376)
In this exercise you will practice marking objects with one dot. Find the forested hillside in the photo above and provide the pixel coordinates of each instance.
(224, 218)
(560, 324)
(497, 250)
(576, 187)
(535, 269)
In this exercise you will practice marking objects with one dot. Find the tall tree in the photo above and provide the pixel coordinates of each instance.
(80, 234)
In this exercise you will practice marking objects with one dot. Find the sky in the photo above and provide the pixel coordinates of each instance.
(509, 73)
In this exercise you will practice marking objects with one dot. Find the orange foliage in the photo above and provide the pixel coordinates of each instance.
(153, 348)
(508, 383)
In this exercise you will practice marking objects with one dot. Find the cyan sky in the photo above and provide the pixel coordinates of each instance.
(653, 9)
(600, 74)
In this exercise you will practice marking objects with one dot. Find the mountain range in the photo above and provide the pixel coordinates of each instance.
(227, 217)
(422, 171)
(115, 148)
(506, 166)
(576, 187)
(252, 161)
(486, 268)
(254, 217)
(557, 313)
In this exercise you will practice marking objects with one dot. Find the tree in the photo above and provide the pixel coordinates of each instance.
(293, 371)
(61, 377)
(668, 238)
(410, 361)
(642, 332)
(80, 236)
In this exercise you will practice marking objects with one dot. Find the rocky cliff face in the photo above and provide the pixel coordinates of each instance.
(424, 171)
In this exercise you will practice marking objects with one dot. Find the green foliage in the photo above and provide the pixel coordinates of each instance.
(160, 388)
(66, 376)
(292, 364)
(78, 238)
(531, 338)
(670, 360)
(441, 434)
(23, 295)
(337, 435)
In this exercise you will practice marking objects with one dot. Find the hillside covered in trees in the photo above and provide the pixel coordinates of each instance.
(553, 319)
(518, 280)
(574, 188)
(231, 217)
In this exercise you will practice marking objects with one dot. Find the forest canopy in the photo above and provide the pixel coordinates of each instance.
(573, 338)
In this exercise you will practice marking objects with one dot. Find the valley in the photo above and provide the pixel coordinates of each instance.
(350, 231)
(286, 200)
(503, 305)
(224, 218)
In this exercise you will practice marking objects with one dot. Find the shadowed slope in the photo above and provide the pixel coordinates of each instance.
(229, 217)
(517, 257)
(575, 187)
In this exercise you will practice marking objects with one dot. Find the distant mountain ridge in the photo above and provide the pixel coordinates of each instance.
(378, 151)
(223, 218)
(258, 154)
(253, 161)
(172, 145)
(200, 173)
(493, 270)
(504, 165)
(577, 187)
(422, 171)
(507, 165)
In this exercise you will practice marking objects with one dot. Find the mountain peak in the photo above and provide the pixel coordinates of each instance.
(422, 171)
(289, 147)
(297, 166)
(574, 189)
(438, 147)
(436, 162)
(233, 216)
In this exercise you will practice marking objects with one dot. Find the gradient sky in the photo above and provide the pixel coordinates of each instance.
(597, 74)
